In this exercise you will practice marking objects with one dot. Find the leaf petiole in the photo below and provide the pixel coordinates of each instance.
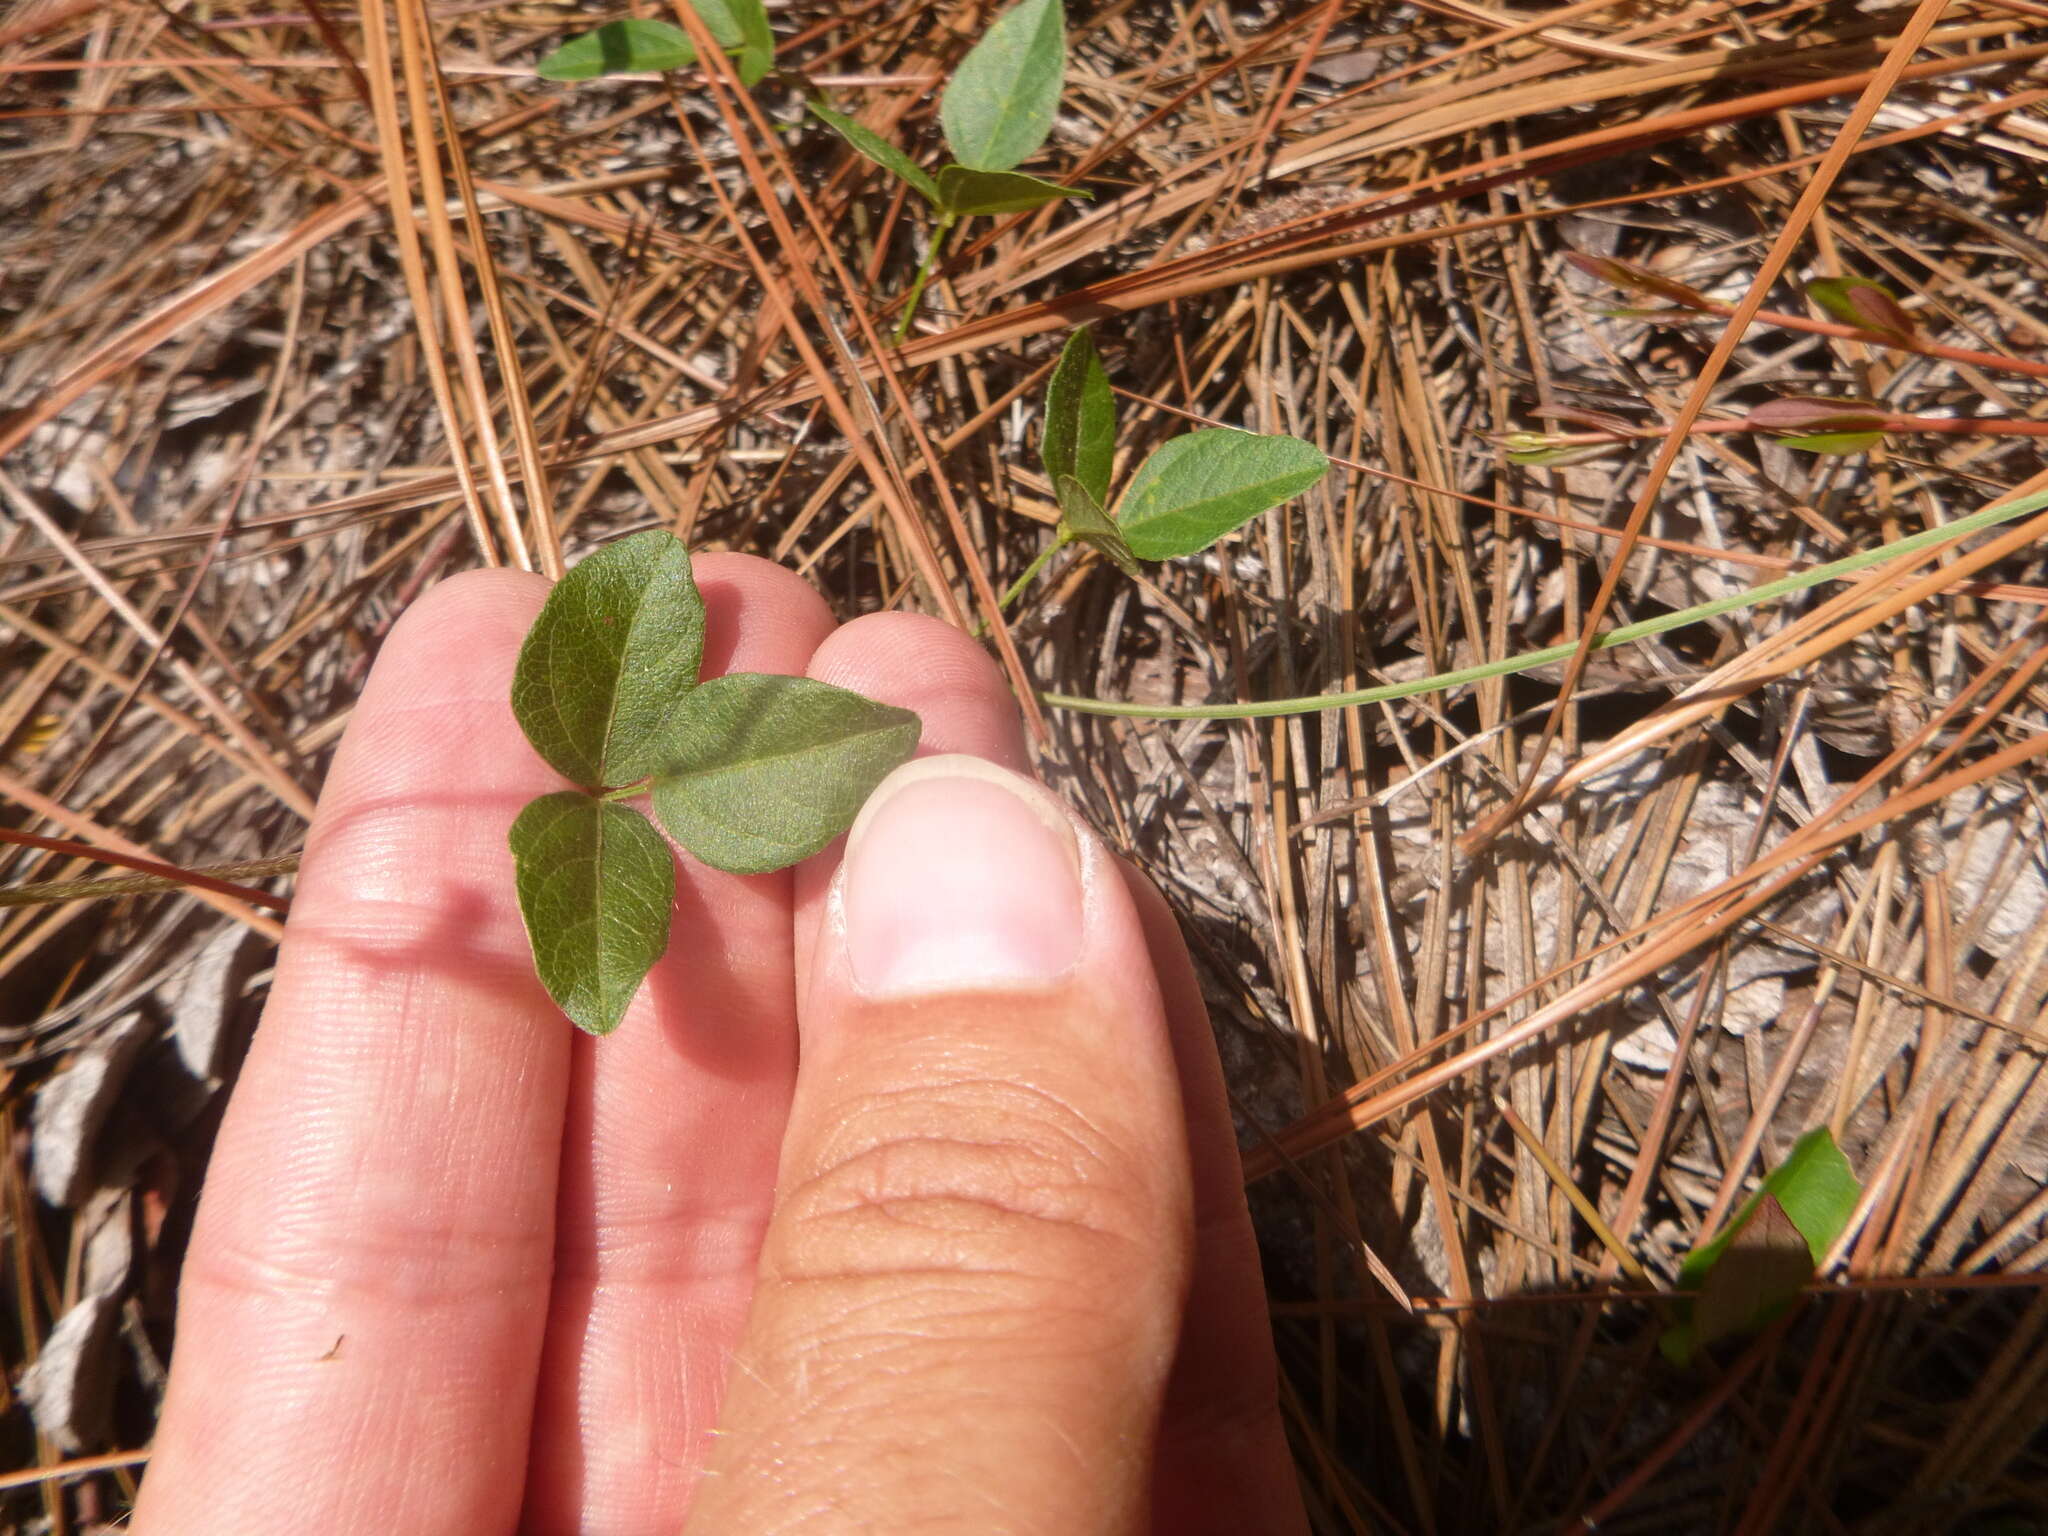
(632, 791)
(943, 228)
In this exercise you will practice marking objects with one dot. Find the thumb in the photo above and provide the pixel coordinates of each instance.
(972, 1282)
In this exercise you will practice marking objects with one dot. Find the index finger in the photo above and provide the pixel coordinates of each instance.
(362, 1304)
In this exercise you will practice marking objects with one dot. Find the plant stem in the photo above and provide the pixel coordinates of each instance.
(1976, 522)
(1961, 426)
(924, 272)
(1897, 343)
(1030, 574)
(631, 791)
(1031, 571)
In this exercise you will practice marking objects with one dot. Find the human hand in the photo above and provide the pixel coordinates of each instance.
(980, 1262)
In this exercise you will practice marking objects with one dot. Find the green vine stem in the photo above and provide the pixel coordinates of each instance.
(924, 272)
(1030, 575)
(1976, 522)
(1031, 571)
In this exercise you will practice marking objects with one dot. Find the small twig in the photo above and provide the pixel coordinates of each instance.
(155, 877)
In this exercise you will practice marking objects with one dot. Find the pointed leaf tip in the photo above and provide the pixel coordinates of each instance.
(638, 45)
(631, 46)
(967, 193)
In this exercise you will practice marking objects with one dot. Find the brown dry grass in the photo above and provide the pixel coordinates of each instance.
(301, 309)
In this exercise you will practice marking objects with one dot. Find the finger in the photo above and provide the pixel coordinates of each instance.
(673, 1127)
(362, 1303)
(929, 667)
(971, 1286)
(1223, 1463)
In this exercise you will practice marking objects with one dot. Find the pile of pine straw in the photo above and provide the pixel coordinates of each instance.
(280, 345)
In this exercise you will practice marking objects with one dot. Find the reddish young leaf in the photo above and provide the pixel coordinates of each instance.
(1812, 413)
(1603, 421)
(1635, 279)
(1862, 303)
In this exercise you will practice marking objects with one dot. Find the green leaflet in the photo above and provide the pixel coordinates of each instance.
(1842, 443)
(596, 884)
(617, 644)
(964, 192)
(879, 150)
(763, 770)
(745, 31)
(1080, 418)
(635, 45)
(631, 46)
(1816, 1187)
(1197, 488)
(1816, 1192)
(999, 106)
(1083, 520)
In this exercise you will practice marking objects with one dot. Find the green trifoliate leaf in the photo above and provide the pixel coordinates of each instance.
(1080, 418)
(1199, 487)
(999, 106)
(1083, 521)
(596, 884)
(879, 150)
(965, 193)
(763, 770)
(614, 650)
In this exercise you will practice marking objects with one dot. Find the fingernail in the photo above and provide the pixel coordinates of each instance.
(960, 874)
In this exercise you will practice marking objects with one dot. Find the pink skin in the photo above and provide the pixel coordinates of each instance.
(459, 1267)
